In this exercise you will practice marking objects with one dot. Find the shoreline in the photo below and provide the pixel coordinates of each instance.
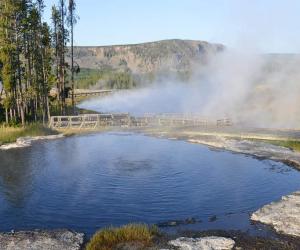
(23, 142)
(257, 145)
(56, 239)
(283, 215)
(26, 141)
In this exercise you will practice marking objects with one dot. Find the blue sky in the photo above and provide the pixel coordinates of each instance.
(260, 25)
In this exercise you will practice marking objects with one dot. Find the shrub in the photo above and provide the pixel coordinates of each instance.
(110, 238)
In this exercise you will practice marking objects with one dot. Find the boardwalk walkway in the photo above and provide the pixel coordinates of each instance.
(87, 93)
(93, 121)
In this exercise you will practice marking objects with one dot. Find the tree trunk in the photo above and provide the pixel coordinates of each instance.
(72, 60)
(6, 115)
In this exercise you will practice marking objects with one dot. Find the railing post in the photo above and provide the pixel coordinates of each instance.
(50, 122)
(112, 120)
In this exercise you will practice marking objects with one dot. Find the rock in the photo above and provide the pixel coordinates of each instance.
(283, 216)
(41, 240)
(204, 243)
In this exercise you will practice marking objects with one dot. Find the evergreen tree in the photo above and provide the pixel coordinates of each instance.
(72, 20)
(28, 51)
(60, 38)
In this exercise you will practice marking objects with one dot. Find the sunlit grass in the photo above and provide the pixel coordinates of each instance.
(291, 144)
(109, 238)
(11, 134)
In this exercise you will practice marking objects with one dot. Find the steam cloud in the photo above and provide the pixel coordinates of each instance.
(253, 90)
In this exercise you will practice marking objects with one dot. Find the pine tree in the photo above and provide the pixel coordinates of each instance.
(60, 38)
(28, 50)
(55, 37)
(8, 52)
(72, 20)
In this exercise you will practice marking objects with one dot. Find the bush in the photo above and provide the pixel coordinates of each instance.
(110, 238)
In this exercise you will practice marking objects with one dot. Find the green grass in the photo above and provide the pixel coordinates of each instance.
(110, 238)
(11, 134)
(291, 144)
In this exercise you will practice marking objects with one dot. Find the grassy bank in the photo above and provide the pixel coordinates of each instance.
(291, 144)
(11, 134)
(286, 143)
(139, 235)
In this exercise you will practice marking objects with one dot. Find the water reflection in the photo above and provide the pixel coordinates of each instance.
(15, 177)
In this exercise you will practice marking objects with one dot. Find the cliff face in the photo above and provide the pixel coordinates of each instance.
(153, 57)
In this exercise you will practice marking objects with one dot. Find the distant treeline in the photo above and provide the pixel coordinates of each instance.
(109, 78)
(32, 59)
(105, 79)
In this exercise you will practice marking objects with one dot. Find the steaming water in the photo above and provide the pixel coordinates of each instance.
(260, 91)
(167, 98)
(88, 182)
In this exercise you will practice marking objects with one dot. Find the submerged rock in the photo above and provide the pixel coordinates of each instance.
(41, 240)
(213, 218)
(204, 243)
(283, 216)
(174, 223)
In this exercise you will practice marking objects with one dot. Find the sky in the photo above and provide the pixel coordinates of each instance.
(267, 26)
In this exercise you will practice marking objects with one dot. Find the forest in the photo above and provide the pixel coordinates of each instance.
(105, 78)
(33, 60)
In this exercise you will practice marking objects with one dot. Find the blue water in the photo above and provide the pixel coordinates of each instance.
(92, 181)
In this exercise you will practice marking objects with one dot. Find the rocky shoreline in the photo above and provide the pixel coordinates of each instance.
(42, 240)
(283, 215)
(187, 240)
(257, 149)
(209, 242)
(234, 142)
(27, 141)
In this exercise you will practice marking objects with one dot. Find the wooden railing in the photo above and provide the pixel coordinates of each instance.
(125, 120)
(92, 93)
(89, 121)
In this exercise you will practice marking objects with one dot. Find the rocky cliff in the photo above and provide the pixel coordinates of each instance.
(152, 57)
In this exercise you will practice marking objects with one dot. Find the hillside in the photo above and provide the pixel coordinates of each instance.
(138, 63)
(170, 55)
(127, 66)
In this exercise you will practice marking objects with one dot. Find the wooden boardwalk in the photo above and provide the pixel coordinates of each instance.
(87, 93)
(93, 121)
